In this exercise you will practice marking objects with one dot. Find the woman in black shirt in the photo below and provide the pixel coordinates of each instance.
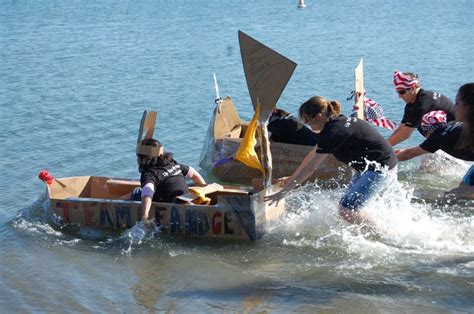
(352, 141)
(284, 128)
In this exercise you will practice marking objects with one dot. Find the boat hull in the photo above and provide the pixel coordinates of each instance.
(92, 202)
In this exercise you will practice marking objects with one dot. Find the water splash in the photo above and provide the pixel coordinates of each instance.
(138, 235)
(411, 229)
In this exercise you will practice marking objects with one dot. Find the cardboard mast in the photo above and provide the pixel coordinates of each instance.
(267, 73)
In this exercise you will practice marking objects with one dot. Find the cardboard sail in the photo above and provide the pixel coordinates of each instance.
(359, 89)
(266, 71)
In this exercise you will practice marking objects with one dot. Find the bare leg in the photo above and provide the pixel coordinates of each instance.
(360, 218)
(463, 191)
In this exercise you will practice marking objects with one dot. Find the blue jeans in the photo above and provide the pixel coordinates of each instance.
(362, 186)
(469, 177)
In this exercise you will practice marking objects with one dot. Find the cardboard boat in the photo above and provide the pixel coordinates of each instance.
(225, 134)
(233, 212)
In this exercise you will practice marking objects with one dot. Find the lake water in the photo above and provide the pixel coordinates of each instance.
(75, 77)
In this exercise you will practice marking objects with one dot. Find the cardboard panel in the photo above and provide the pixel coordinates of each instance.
(142, 125)
(147, 125)
(266, 71)
(69, 187)
(226, 120)
(234, 217)
(359, 89)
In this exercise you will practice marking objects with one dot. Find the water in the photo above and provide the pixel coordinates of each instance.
(75, 77)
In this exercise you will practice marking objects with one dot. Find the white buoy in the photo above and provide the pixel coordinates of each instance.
(301, 4)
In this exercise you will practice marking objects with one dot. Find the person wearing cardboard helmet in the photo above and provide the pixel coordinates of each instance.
(418, 102)
(162, 178)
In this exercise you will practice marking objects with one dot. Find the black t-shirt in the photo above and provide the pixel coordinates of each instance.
(446, 138)
(285, 130)
(168, 180)
(356, 143)
(425, 102)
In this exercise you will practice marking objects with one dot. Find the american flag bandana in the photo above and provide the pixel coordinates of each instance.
(373, 113)
(433, 120)
(403, 81)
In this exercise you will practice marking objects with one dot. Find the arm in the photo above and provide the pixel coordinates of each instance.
(409, 153)
(146, 205)
(148, 191)
(310, 163)
(400, 134)
(194, 175)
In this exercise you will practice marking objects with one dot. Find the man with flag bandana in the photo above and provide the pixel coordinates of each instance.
(455, 138)
(418, 103)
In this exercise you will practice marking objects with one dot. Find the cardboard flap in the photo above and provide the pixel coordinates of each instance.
(226, 119)
(266, 71)
(210, 188)
(359, 89)
(187, 197)
(113, 182)
(150, 121)
(121, 187)
(147, 125)
(197, 192)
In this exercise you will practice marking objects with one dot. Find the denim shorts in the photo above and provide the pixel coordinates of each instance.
(469, 177)
(362, 186)
(136, 194)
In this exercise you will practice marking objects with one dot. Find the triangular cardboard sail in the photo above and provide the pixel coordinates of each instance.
(267, 73)
(146, 130)
(359, 89)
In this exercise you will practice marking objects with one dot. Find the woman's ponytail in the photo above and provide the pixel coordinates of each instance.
(334, 108)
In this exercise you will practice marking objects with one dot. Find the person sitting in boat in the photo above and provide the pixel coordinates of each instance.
(162, 178)
(455, 138)
(418, 103)
(352, 141)
(284, 128)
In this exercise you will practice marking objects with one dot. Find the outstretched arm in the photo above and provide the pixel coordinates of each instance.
(146, 205)
(310, 163)
(148, 191)
(400, 134)
(409, 153)
(194, 175)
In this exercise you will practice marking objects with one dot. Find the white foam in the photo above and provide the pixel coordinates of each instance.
(408, 228)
